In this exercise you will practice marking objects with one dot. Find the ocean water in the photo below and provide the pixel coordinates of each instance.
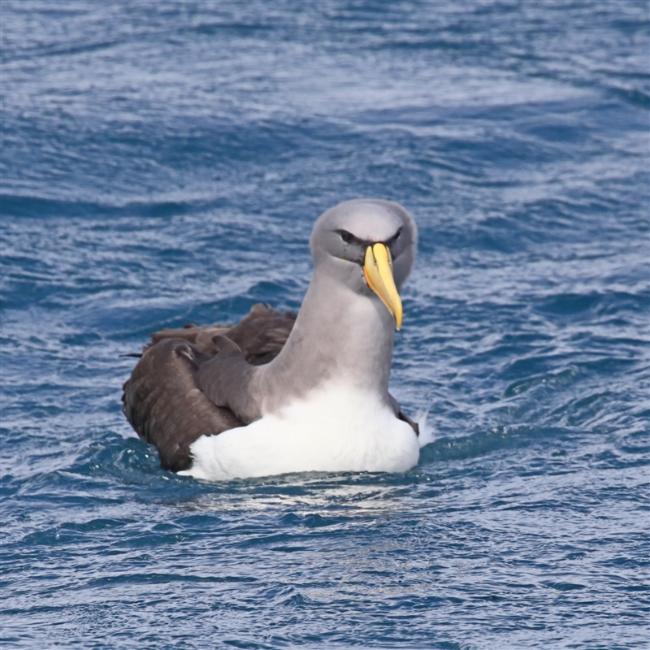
(162, 163)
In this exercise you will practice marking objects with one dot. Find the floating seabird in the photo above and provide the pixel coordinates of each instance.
(280, 393)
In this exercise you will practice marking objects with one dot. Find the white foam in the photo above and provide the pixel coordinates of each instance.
(427, 435)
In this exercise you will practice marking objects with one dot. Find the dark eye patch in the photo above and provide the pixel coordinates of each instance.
(395, 237)
(349, 238)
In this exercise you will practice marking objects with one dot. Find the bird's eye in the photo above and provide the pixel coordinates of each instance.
(347, 237)
(395, 237)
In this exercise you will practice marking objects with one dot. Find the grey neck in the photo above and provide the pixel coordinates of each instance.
(338, 335)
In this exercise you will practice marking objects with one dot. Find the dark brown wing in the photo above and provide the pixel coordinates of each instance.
(162, 399)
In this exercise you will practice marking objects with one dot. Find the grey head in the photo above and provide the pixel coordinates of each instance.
(368, 246)
(363, 251)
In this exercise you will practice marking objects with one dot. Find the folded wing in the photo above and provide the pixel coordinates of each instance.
(163, 399)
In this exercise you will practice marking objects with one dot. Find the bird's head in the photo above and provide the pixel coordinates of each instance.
(369, 245)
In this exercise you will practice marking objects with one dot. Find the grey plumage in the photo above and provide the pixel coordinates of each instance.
(205, 380)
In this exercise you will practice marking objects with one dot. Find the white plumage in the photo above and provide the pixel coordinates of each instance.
(333, 428)
(320, 400)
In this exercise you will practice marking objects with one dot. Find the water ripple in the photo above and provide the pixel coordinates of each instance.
(164, 164)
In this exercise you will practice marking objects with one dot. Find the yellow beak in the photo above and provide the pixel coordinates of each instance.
(378, 272)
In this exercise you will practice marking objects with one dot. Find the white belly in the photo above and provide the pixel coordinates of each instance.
(335, 428)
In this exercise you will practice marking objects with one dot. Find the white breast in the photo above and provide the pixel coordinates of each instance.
(333, 428)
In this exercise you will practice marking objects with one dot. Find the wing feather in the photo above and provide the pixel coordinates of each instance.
(163, 400)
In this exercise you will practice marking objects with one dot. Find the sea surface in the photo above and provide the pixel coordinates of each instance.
(163, 162)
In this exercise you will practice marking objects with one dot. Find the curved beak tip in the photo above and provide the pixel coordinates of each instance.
(378, 273)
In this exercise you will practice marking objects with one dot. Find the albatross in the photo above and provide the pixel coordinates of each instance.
(281, 393)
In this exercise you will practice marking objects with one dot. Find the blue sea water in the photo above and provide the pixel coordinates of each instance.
(162, 163)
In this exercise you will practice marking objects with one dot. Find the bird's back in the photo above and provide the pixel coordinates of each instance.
(163, 400)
